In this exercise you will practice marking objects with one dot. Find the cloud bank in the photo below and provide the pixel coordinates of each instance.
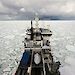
(46, 9)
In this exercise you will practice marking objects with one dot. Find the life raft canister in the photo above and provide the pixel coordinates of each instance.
(37, 58)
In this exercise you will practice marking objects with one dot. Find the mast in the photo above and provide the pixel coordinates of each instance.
(36, 27)
(37, 19)
(31, 31)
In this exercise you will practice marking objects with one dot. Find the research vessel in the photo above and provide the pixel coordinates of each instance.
(37, 58)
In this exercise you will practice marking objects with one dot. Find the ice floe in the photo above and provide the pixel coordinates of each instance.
(9, 37)
(62, 45)
(70, 48)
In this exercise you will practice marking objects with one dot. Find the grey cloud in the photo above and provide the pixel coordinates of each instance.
(46, 9)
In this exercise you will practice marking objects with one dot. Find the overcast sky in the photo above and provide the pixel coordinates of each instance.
(46, 9)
